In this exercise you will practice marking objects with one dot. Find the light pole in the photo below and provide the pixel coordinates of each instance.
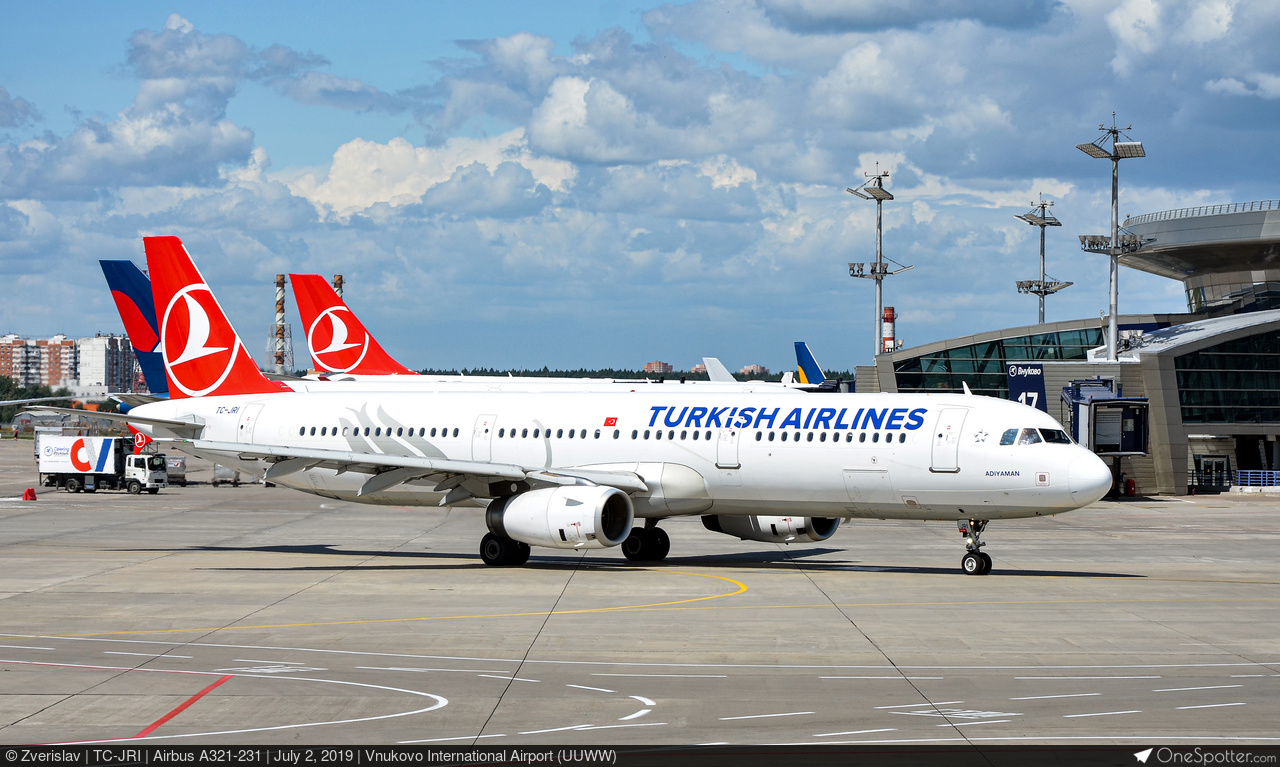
(1040, 216)
(1120, 150)
(873, 189)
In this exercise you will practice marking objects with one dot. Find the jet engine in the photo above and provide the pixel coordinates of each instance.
(772, 529)
(570, 517)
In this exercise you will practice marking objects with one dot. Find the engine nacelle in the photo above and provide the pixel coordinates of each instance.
(570, 517)
(772, 529)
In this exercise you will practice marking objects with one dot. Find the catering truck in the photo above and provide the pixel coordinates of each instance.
(98, 463)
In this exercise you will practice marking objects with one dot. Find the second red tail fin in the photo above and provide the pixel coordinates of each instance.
(338, 341)
(203, 355)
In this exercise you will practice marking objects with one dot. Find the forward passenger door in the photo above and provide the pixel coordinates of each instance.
(946, 440)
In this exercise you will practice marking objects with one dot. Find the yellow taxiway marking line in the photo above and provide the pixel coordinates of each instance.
(742, 589)
(974, 603)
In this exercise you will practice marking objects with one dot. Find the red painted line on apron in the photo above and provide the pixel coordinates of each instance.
(183, 707)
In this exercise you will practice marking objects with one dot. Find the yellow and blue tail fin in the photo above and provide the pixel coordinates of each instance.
(809, 372)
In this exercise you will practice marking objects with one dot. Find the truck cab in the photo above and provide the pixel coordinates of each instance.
(145, 472)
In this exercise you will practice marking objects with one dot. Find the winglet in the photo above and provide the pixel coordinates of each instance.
(809, 371)
(965, 384)
(132, 293)
(338, 341)
(203, 355)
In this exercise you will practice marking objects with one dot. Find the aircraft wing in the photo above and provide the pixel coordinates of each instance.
(181, 428)
(387, 471)
(8, 402)
(130, 399)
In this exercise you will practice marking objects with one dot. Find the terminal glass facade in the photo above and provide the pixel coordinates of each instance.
(1233, 382)
(982, 365)
(1256, 296)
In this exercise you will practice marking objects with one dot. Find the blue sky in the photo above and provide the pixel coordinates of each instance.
(595, 184)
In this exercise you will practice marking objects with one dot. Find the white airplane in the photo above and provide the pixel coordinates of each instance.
(576, 470)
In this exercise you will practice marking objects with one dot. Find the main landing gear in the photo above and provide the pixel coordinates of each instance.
(975, 562)
(503, 552)
(647, 544)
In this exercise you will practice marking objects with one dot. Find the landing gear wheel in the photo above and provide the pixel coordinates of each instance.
(649, 544)
(661, 544)
(153, 490)
(503, 552)
(986, 562)
(73, 485)
(633, 547)
(972, 563)
(134, 487)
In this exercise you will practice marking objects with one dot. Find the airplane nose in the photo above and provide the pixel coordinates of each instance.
(1088, 479)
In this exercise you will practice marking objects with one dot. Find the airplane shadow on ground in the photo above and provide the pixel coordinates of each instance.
(761, 560)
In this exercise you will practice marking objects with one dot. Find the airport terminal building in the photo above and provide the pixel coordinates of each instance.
(1211, 375)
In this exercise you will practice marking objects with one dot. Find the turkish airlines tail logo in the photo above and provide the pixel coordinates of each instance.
(203, 355)
(140, 440)
(338, 341)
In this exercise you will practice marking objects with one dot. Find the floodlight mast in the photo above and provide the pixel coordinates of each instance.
(1040, 216)
(873, 189)
(1120, 150)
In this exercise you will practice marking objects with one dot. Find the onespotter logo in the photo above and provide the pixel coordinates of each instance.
(328, 342)
(205, 353)
(1200, 755)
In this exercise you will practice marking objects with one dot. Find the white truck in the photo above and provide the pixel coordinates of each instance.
(98, 463)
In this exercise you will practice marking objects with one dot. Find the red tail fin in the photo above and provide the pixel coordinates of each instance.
(203, 355)
(338, 341)
(140, 440)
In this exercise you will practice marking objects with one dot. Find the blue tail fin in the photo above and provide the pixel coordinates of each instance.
(132, 293)
(810, 373)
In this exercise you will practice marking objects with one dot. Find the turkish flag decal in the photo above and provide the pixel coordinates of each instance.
(611, 421)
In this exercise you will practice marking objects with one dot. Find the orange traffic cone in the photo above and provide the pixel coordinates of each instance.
(29, 494)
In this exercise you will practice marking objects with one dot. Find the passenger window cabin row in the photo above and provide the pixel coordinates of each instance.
(656, 434)
(375, 431)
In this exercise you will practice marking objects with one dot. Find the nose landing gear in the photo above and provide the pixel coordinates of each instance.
(975, 562)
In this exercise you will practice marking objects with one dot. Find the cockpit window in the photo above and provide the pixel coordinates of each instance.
(1056, 436)
(1009, 437)
(1029, 437)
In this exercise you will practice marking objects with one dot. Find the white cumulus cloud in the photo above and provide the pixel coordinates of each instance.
(364, 173)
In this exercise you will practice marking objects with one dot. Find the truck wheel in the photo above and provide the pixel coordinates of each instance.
(184, 483)
(134, 487)
(73, 485)
(153, 490)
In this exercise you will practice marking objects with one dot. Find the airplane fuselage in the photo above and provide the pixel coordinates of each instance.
(899, 456)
